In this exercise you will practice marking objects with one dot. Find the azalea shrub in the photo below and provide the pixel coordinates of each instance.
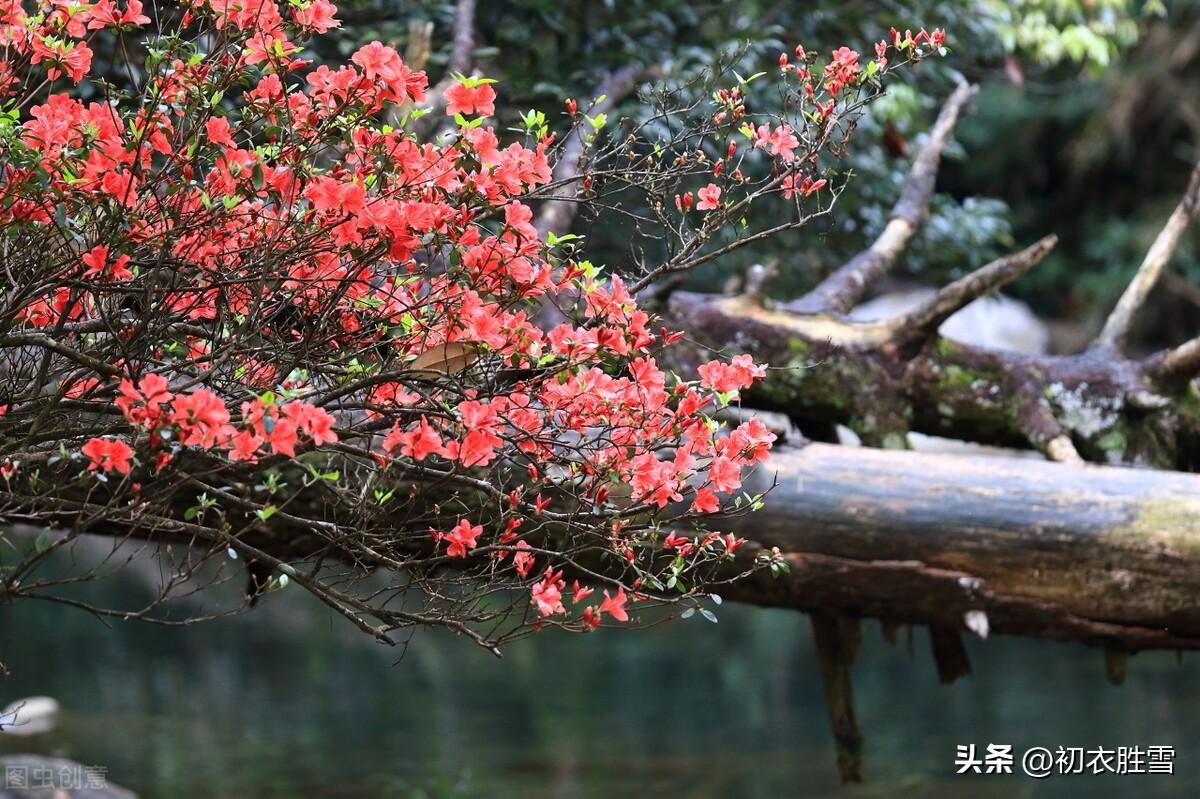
(249, 316)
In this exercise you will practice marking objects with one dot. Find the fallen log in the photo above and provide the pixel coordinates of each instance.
(1075, 552)
(1102, 555)
(1093, 404)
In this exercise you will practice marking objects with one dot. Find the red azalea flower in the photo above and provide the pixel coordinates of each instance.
(464, 99)
(108, 455)
(546, 594)
(462, 538)
(615, 605)
(710, 198)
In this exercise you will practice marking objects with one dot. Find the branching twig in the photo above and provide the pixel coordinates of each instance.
(557, 215)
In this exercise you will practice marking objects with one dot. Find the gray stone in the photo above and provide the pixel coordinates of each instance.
(32, 715)
(997, 322)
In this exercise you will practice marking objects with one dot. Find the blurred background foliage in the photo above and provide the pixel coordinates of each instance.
(1087, 124)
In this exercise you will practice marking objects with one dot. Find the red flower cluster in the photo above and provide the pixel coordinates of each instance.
(313, 284)
(108, 455)
(470, 96)
(842, 70)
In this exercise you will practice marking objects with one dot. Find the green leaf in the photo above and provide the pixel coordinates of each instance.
(44, 540)
(553, 239)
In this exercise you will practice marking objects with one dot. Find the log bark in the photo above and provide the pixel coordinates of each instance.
(1095, 405)
(1094, 554)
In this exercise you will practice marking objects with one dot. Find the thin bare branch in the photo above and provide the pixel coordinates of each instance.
(842, 290)
(1116, 328)
(557, 215)
(928, 316)
(45, 342)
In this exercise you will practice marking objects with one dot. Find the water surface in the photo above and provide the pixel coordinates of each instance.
(289, 701)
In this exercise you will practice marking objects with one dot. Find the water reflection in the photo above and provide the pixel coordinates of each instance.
(289, 701)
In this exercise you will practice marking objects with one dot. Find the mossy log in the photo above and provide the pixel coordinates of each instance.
(1095, 554)
(885, 379)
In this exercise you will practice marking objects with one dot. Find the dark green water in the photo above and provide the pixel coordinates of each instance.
(288, 702)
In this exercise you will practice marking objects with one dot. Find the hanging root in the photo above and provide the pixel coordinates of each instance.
(837, 638)
(949, 654)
